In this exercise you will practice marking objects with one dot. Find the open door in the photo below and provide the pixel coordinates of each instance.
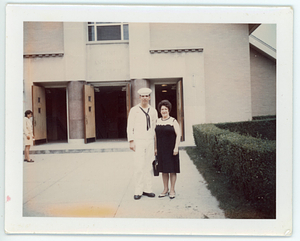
(180, 114)
(39, 114)
(128, 98)
(89, 114)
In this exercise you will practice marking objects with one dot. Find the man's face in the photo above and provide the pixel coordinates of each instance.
(144, 99)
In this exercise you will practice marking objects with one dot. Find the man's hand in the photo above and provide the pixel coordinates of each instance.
(132, 145)
(28, 137)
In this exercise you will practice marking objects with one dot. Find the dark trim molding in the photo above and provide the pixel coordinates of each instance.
(43, 55)
(177, 50)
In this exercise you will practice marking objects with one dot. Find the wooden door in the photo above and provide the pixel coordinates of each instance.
(39, 114)
(128, 98)
(89, 114)
(180, 113)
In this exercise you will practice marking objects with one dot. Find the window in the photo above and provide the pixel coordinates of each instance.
(107, 31)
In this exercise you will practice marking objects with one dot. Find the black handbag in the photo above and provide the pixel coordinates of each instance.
(155, 167)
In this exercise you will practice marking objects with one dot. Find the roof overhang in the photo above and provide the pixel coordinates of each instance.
(252, 27)
(269, 54)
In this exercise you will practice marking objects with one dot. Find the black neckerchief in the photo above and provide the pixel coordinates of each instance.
(147, 118)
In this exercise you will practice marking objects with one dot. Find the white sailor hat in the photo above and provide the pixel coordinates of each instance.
(144, 91)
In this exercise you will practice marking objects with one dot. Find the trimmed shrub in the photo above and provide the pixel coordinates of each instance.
(248, 163)
(264, 117)
(263, 128)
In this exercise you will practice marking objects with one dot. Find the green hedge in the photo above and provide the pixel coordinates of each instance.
(248, 163)
(264, 117)
(264, 128)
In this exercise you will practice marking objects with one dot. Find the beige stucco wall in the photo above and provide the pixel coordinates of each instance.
(52, 38)
(225, 68)
(216, 82)
(43, 69)
(71, 66)
(107, 62)
(263, 84)
(75, 51)
(227, 73)
(139, 46)
(43, 37)
(188, 66)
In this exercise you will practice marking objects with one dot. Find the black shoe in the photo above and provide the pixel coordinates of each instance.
(137, 197)
(149, 194)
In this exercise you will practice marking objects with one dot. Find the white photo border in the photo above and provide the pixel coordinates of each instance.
(18, 13)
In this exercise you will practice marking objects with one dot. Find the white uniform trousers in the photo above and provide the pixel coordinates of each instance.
(143, 173)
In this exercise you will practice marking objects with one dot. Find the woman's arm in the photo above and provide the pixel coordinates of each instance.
(155, 145)
(178, 137)
(25, 131)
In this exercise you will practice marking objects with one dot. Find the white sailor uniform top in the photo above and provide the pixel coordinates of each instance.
(141, 123)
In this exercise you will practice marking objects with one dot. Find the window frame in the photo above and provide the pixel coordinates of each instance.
(96, 24)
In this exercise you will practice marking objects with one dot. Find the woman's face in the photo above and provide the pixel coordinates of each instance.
(164, 111)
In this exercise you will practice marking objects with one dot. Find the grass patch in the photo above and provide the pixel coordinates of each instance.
(232, 201)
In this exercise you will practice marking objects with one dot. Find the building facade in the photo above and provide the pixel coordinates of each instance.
(81, 79)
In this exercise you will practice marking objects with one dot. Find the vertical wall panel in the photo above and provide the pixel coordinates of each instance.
(43, 37)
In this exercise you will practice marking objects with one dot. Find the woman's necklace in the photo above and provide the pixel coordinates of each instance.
(166, 118)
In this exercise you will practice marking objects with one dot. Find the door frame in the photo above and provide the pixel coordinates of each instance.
(160, 81)
(126, 84)
(89, 118)
(54, 85)
(39, 107)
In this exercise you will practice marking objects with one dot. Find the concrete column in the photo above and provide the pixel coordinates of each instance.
(76, 115)
(136, 84)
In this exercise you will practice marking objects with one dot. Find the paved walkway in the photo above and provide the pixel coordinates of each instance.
(99, 183)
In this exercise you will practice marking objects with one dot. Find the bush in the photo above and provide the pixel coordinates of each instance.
(261, 128)
(248, 163)
(264, 117)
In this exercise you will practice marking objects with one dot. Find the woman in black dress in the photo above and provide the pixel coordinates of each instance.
(167, 141)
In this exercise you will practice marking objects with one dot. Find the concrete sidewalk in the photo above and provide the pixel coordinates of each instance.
(100, 184)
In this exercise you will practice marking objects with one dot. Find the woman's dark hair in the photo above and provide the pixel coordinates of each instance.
(27, 112)
(165, 103)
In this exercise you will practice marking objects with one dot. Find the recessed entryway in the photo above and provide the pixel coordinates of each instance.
(166, 91)
(56, 115)
(171, 90)
(110, 112)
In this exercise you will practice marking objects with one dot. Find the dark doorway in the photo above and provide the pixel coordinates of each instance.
(56, 115)
(110, 112)
(166, 92)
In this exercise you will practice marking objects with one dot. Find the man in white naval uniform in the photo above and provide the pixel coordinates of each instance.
(140, 133)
